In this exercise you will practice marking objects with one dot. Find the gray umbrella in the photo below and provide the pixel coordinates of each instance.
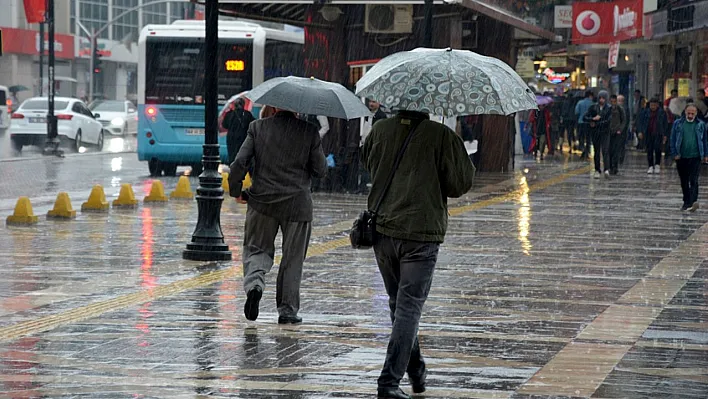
(447, 83)
(309, 96)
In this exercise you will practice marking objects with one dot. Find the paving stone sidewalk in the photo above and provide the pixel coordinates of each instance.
(550, 284)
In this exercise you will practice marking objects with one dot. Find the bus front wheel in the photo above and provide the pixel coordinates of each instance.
(154, 167)
(169, 169)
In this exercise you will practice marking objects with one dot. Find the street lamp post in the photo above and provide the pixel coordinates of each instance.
(208, 240)
(428, 24)
(41, 55)
(52, 145)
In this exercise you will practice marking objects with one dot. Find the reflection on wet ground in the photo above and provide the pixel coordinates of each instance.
(550, 284)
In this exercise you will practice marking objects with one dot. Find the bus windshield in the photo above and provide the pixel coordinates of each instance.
(174, 70)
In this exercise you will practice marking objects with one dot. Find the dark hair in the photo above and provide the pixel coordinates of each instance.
(589, 93)
(613, 97)
(654, 100)
(638, 91)
(674, 91)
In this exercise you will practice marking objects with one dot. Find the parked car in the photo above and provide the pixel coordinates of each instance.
(118, 117)
(76, 124)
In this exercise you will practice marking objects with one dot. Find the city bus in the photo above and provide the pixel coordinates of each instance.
(171, 84)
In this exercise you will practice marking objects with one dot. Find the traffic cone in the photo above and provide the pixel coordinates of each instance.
(23, 214)
(157, 193)
(62, 208)
(126, 197)
(183, 189)
(225, 182)
(247, 182)
(96, 201)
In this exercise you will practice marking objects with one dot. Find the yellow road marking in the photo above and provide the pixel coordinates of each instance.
(50, 322)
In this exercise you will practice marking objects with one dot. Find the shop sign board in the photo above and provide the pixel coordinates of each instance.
(613, 55)
(551, 76)
(556, 61)
(525, 67)
(605, 23)
(563, 17)
(25, 41)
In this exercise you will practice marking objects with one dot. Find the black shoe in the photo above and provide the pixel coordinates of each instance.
(391, 393)
(289, 320)
(684, 208)
(253, 299)
(418, 383)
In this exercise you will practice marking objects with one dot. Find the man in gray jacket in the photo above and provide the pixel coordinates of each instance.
(286, 153)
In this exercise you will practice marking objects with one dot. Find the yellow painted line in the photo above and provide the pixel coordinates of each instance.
(50, 322)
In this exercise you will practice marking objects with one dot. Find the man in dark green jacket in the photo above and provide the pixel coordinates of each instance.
(411, 223)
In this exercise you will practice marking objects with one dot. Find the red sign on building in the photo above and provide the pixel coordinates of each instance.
(34, 10)
(607, 22)
(23, 41)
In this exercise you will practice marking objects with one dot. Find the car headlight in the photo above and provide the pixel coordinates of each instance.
(118, 122)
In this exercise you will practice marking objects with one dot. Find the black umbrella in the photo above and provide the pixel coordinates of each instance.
(17, 88)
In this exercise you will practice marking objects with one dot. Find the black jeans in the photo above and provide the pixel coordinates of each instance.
(407, 270)
(601, 146)
(570, 128)
(584, 131)
(689, 169)
(654, 148)
(617, 142)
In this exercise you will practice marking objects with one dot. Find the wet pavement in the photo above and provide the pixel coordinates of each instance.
(550, 284)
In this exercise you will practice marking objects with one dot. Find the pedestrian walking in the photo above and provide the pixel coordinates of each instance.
(639, 103)
(653, 128)
(581, 108)
(236, 123)
(598, 119)
(627, 134)
(689, 144)
(555, 128)
(541, 129)
(618, 135)
(411, 223)
(287, 153)
(569, 121)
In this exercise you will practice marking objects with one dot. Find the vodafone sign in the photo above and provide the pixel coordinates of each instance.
(607, 22)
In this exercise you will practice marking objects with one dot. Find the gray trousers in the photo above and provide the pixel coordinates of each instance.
(259, 254)
(407, 270)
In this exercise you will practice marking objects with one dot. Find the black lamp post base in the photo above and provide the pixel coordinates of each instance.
(207, 240)
(206, 252)
(52, 148)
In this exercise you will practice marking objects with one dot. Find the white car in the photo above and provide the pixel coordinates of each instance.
(76, 124)
(117, 117)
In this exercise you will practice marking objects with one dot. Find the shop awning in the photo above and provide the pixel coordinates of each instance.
(293, 11)
(508, 18)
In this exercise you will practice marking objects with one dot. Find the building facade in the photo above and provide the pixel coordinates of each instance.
(119, 28)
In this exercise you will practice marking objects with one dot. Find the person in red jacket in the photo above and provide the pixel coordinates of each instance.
(541, 128)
